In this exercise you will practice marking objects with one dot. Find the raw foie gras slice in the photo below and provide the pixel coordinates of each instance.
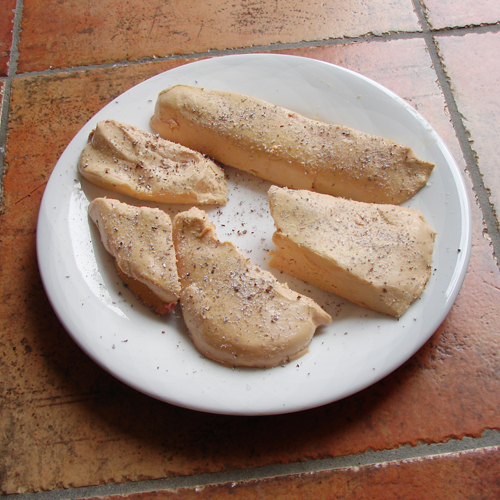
(140, 240)
(236, 313)
(378, 256)
(286, 148)
(124, 159)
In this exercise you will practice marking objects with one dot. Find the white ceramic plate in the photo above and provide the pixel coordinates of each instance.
(154, 354)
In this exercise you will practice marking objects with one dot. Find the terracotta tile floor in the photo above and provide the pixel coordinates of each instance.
(458, 13)
(429, 430)
(70, 34)
(447, 477)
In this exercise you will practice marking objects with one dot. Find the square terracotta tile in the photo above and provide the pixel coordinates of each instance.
(472, 65)
(472, 474)
(6, 26)
(65, 422)
(71, 33)
(454, 13)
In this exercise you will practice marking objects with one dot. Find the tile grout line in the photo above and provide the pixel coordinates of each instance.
(272, 47)
(14, 55)
(489, 440)
(482, 195)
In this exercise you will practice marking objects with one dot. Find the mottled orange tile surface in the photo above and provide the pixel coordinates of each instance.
(454, 13)
(472, 474)
(72, 33)
(65, 422)
(472, 64)
(6, 25)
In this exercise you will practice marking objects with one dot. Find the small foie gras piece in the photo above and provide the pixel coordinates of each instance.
(126, 160)
(289, 149)
(238, 314)
(140, 240)
(378, 256)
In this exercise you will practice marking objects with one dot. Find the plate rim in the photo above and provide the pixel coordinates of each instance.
(466, 236)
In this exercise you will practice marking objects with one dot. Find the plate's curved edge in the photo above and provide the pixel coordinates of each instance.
(466, 238)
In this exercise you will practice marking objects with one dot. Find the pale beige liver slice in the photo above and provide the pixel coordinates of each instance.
(289, 149)
(140, 240)
(378, 256)
(236, 313)
(124, 159)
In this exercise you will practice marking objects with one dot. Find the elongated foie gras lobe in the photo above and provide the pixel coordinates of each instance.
(288, 149)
